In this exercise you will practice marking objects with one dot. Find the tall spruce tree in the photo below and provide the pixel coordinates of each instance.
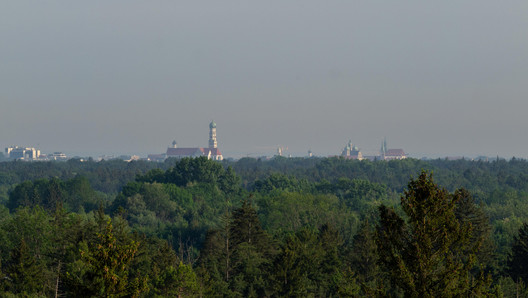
(430, 253)
(363, 260)
(103, 268)
(24, 273)
(518, 260)
(236, 258)
(468, 212)
(309, 264)
(252, 252)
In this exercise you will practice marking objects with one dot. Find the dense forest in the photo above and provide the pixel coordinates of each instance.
(285, 227)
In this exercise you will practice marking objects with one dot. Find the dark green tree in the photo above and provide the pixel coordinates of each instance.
(103, 267)
(177, 281)
(466, 211)
(296, 265)
(24, 273)
(229, 182)
(23, 195)
(252, 252)
(237, 257)
(518, 260)
(431, 253)
(215, 261)
(309, 264)
(189, 170)
(363, 259)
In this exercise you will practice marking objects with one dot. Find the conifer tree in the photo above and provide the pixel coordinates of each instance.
(236, 257)
(103, 269)
(252, 250)
(518, 260)
(296, 264)
(363, 259)
(309, 264)
(431, 253)
(330, 244)
(24, 273)
(245, 227)
(466, 211)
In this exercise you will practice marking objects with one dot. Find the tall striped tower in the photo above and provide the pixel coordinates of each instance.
(212, 135)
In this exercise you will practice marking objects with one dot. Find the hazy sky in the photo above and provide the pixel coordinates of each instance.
(436, 78)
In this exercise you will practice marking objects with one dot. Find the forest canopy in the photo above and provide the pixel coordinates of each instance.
(279, 227)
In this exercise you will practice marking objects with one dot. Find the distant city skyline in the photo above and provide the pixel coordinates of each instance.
(443, 78)
(268, 151)
(264, 151)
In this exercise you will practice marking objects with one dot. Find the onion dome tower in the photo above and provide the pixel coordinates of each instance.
(212, 135)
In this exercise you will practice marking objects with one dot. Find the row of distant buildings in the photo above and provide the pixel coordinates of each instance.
(353, 152)
(30, 154)
(211, 152)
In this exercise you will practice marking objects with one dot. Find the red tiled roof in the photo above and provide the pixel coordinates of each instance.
(394, 152)
(215, 151)
(183, 151)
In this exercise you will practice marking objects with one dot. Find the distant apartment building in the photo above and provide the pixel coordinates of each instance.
(23, 153)
(57, 156)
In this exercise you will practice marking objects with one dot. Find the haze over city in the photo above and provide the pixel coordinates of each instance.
(101, 77)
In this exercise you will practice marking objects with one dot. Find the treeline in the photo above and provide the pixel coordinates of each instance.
(285, 227)
(480, 177)
(105, 176)
(55, 254)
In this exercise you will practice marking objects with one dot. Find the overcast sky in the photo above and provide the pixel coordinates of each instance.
(435, 78)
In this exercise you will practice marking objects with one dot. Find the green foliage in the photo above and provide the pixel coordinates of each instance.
(187, 171)
(31, 225)
(277, 181)
(507, 287)
(179, 281)
(105, 176)
(75, 194)
(309, 264)
(518, 260)
(363, 259)
(103, 267)
(24, 273)
(237, 257)
(358, 195)
(432, 253)
(310, 207)
(468, 212)
(290, 211)
(179, 204)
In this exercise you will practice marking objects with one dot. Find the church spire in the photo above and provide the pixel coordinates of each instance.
(383, 150)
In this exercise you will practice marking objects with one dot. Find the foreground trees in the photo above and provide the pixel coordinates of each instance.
(297, 239)
(432, 252)
(236, 258)
(103, 267)
(65, 254)
(518, 262)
